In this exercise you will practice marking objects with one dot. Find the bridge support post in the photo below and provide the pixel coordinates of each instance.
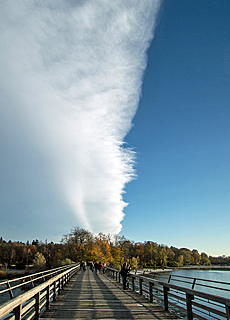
(133, 279)
(189, 298)
(59, 286)
(55, 291)
(166, 302)
(17, 312)
(32, 283)
(37, 306)
(227, 311)
(10, 291)
(48, 298)
(140, 285)
(150, 291)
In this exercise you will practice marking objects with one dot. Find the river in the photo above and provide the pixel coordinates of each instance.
(186, 278)
(216, 282)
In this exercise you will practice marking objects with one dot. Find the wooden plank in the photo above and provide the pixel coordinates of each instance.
(90, 296)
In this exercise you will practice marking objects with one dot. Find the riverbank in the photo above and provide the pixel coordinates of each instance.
(158, 270)
(10, 274)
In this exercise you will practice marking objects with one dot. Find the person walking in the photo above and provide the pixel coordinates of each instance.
(104, 266)
(124, 273)
(100, 267)
(96, 267)
(91, 265)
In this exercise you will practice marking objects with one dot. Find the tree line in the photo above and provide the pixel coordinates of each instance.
(82, 245)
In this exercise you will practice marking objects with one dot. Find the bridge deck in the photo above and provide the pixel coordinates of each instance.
(91, 296)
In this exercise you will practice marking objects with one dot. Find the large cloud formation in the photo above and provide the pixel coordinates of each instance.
(70, 86)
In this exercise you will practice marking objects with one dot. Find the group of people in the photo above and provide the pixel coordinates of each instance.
(100, 267)
(97, 267)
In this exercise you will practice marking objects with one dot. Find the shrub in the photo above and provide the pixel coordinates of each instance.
(3, 274)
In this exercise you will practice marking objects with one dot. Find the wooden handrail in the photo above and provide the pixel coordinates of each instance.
(190, 295)
(15, 305)
(32, 277)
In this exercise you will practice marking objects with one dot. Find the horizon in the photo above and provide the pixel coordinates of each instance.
(95, 235)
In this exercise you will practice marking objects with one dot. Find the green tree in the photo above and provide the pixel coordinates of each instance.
(171, 258)
(187, 256)
(205, 259)
(162, 256)
(150, 253)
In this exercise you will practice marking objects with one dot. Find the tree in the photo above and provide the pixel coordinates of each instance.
(39, 261)
(187, 256)
(171, 258)
(134, 262)
(196, 258)
(150, 253)
(205, 259)
(162, 256)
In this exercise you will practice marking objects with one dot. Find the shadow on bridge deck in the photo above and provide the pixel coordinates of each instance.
(90, 296)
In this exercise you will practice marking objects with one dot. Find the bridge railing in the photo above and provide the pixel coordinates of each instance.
(194, 303)
(29, 305)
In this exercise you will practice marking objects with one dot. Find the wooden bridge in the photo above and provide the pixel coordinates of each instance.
(67, 293)
(90, 296)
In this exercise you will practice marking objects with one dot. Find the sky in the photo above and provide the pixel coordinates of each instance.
(115, 118)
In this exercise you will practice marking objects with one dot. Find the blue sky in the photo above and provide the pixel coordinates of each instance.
(78, 80)
(181, 132)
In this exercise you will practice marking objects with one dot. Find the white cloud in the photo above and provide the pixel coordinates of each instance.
(72, 75)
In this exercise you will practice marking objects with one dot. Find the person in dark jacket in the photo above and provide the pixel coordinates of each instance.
(124, 273)
(96, 267)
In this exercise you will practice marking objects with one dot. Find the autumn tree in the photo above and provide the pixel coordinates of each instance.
(39, 261)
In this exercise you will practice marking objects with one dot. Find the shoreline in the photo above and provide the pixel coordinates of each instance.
(158, 270)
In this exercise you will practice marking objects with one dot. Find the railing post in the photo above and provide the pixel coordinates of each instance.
(55, 291)
(37, 306)
(48, 298)
(140, 285)
(59, 286)
(189, 299)
(32, 283)
(166, 302)
(133, 279)
(227, 311)
(17, 312)
(194, 282)
(169, 278)
(150, 291)
(10, 291)
(116, 275)
(119, 277)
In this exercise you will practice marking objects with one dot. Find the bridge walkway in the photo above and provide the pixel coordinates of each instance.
(90, 296)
